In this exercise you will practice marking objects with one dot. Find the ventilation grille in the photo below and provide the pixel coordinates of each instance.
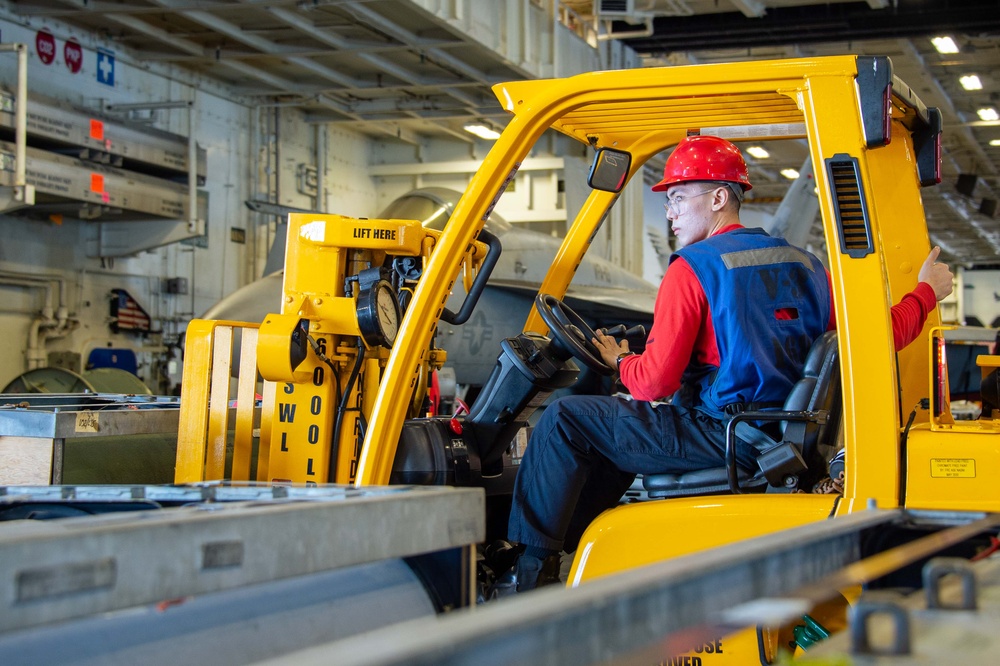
(615, 8)
(850, 206)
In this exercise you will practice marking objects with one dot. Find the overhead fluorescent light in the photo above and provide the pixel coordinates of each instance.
(790, 174)
(995, 142)
(971, 82)
(482, 131)
(988, 113)
(758, 152)
(945, 44)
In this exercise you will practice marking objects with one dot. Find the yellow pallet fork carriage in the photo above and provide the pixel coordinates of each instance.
(321, 358)
(342, 384)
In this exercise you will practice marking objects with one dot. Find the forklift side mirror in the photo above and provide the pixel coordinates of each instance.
(609, 170)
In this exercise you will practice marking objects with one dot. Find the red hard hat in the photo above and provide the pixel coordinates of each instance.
(704, 158)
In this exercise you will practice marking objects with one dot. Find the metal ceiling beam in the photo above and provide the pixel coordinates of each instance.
(270, 48)
(402, 105)
(265, 45)
(382, 127)
(330, 39)
(970, 143)
(461, 135)
(366, 15)
(445, 116)
(847, 21)
(320, 89)
(306, 52)
(95, 7)
(360, 103)
(382, 64)
(160, 35)
(192, 48)
(750, 8)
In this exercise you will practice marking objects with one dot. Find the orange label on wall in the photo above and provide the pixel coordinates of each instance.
(96, 182)
(96, 130)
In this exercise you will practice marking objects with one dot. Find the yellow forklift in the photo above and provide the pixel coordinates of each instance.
(347, 364)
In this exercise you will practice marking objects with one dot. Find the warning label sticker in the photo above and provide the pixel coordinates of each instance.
(953, 468)
(87, 422)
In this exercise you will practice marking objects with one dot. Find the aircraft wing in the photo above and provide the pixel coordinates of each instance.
(796, 216)
(593, 299)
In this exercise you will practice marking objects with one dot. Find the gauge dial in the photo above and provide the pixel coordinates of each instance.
(378, 314)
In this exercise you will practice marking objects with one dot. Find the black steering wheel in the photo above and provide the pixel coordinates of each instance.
(571, 332)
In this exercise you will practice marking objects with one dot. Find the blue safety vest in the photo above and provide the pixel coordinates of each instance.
(748, 276)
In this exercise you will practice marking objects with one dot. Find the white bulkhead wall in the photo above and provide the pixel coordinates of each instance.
(54, 298)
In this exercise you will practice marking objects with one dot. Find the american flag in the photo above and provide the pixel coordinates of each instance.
(126, 314)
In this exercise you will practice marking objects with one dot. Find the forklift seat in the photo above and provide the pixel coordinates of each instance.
(809, 420)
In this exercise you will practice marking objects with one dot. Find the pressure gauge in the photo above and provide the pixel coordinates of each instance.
(378, 314)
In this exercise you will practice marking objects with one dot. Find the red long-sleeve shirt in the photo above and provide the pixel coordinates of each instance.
(682, 332)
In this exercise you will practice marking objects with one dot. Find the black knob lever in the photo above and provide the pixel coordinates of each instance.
(634, 334)
(614, 331)
(637, 332)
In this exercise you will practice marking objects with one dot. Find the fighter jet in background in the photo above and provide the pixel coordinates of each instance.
(602, 293)
(795, 219)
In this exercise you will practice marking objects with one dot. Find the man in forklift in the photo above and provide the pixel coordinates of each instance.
(736, 313)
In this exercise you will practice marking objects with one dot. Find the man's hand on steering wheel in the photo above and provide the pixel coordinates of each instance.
(610, 348)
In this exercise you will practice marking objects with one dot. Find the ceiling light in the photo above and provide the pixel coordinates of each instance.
(995, 142)
(988, 114)
(971, 82)
(482, 131)
(758, 152)
(790, 174)
(945, 44)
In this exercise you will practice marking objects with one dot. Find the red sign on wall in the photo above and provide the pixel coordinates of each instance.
(45, 46)
(73, 55)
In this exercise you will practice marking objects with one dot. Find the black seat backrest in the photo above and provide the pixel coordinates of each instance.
(817, 390)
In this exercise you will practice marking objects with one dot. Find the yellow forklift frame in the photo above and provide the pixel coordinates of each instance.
(866, 135)
(873, 145)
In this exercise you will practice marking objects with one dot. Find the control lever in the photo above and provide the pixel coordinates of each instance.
(614, 331)
(634, 334)
(637, 333)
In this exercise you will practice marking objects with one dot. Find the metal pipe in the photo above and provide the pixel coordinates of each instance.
(34, 355)
(192, 167)
(646, 32)
(31, 284)
(31, 279)
(53, 322)
(277, 155)
(21, 126)
(321, 146)
(148, 106)
(23, 192)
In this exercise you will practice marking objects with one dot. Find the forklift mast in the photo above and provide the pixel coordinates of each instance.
(321, 358)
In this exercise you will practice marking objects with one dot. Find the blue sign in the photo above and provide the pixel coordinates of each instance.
(105, 67)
